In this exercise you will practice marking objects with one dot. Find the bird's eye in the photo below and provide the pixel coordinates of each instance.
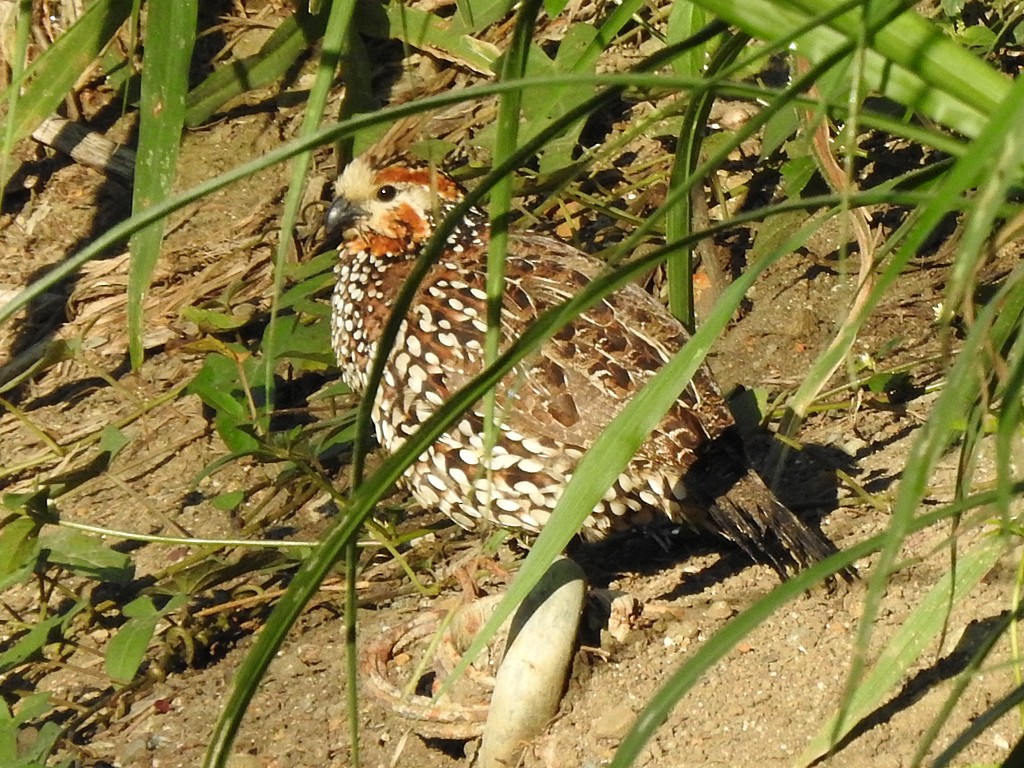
(386, 193)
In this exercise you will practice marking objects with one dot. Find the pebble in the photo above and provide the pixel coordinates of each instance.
(614, 723)
(682, 630)
(719, 610)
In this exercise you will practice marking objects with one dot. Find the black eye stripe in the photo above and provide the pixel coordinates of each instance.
(386, 193)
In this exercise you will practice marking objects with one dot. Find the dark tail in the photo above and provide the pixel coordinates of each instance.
(749, 515)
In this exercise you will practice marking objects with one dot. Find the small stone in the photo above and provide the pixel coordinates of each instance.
(853, 446)
(614, 723)
(289, 665)
(719, 610)
(682, 630)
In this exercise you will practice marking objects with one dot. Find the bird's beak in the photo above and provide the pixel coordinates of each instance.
(340, 216)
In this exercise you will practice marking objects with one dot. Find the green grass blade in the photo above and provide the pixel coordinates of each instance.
(679, 218)
(22, 30)
(334, 45)
(53, 74)
(337, 31)
(514, 64)
(961, 388)
(910, 61)
(984, 721)
(293, 37)
(925, 622)
(171, 31)
(422, 29)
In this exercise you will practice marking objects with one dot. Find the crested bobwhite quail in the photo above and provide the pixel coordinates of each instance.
(692, 469)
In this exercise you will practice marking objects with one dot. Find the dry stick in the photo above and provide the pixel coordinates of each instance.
(87, 147)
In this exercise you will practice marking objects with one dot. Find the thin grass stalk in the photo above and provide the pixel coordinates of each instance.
(122, 231)
(333, 49)
(926, 450)
(22, 30)
(507, 137)
(679, 220)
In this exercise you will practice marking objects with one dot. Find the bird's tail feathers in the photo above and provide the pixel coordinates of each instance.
(750, 516)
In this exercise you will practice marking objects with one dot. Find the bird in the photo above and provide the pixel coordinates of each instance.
(692, 470)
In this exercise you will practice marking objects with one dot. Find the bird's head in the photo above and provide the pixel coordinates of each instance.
(389, 207)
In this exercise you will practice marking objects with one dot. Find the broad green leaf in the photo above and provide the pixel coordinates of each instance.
(215, 321)
(25, 646)
(684, 20)
(218, 385)
(306, 345)
(19, 545)
(295, 35)
(29, 707)
(127, 648)
(86, 555)
(425, 30)
(112, 440)
(39, 755)
(228, 501)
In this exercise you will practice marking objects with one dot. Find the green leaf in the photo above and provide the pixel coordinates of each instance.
(979, 37)
(228, 501)
(127, 648)
(31, 642)
(319, 265)
(307, 345)
(29, 707)
(170, 35)
(796, 173)
(19, 546)
(86, 555)
(685, 20)
(218, 385)
(778, 130)
(337, 389)
(214, 321)
(112, 440)
(424, 30)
